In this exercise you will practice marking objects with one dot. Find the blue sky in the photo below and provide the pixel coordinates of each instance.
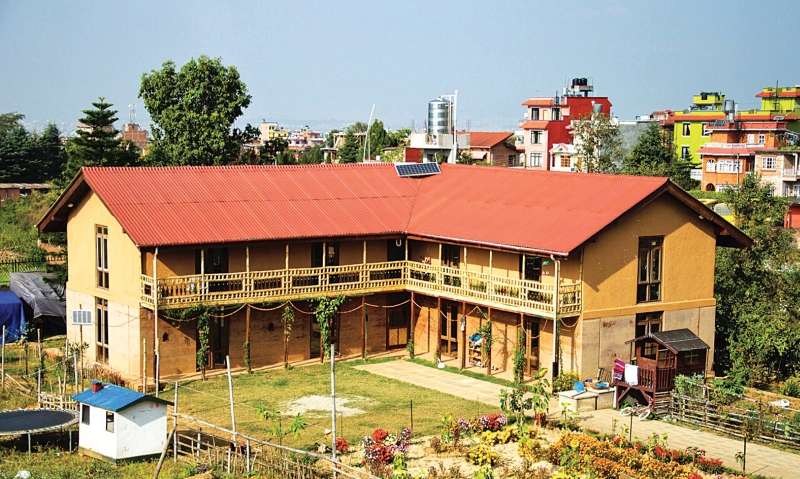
(326, 63)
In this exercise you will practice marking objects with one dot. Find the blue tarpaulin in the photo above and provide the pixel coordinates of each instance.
(11, 315)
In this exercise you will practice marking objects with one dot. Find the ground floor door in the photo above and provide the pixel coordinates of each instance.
(530, 328)
(448, 324)
(315, 339)
(398, 327)
(218, 340)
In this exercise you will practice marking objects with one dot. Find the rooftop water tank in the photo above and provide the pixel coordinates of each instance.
(440, 119)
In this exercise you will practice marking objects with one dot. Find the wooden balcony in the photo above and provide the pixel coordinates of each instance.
(529, 297)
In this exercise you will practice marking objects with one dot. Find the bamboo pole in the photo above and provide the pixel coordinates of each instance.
(489, 346)
(333, 406)
(364, 323)
(3, 360)
(144, 365)
(463, 326)
(175, 424)
(230, 396)
(247, 336)
(438, 327)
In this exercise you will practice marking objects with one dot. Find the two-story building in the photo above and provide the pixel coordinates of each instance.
(574, 264)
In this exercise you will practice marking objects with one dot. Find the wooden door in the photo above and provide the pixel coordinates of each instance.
(219, 340)
(448, 340)
(315, 339)
(530, 328)
(398, 326)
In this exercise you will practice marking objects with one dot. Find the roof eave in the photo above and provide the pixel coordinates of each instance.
(52, 221)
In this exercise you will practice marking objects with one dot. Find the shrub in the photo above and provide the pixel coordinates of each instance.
(342, 447)
(379, 435)
(727, 390)
(791, 387)
(491, 422)
(482, 455)
(437, 445)
(709, 464)
(564, 381)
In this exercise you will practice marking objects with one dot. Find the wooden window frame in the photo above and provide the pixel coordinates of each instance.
(650, 265)
(101, 330)
(86, 415)
(110, 419)
(101, 256)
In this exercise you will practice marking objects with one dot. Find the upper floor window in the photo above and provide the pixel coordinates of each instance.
(648, 285)
(534, 113)
(536, 137)
(762, 139)
(556, 114)
(531, 267)
(451, 255)
(686, 129)
(329, 249)
(711, 166)
(751, 138)
(706, 130)
(101, 255)
(685, 153)
(101, 329)
(768, 162)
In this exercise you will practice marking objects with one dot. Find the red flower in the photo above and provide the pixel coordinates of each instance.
(378, 435)
(342, 446)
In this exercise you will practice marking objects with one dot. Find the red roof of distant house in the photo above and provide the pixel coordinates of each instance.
(794, 93)
(698, 117)
(534, 124)
(541, 211)
(717, 151)
(750, 125)
(487, 139)
(539, 102)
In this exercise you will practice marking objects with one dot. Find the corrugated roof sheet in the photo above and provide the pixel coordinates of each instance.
(680, 340)
(113, 398)
(536, 210)
(487, 139)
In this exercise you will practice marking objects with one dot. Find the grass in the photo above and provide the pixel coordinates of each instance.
(464, 372)
(11, 398)
(52, 463)
(386, 402)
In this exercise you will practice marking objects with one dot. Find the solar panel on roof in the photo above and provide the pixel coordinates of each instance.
(417, 169)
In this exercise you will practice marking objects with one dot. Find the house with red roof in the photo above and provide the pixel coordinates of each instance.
(566, 267)
(494, 148)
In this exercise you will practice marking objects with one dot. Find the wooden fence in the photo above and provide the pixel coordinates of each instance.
(240, 455)
(29, 264)
(766, 423)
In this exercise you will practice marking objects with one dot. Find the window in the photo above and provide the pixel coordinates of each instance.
(706, 130)
(85, 414)
(768, 162)
(711, 166)
(649, 277)
(647, 324)
(536, 159)
(101, 255)
(451, 255)
(534, 113)
(536, 137)
(566, 162)
(101, 327)
(686, 129)
(556, 114)
(685, 153)
(512, 160)
(751, 138)
(331, 254)
(728, 166)
(762, 139)
(109, 421)
(531, 267)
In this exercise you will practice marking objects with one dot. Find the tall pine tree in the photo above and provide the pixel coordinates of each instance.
(98, 142)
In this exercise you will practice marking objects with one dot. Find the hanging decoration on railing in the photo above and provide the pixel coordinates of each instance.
(325, 311)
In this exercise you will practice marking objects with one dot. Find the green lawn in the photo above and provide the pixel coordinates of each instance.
(386, 403)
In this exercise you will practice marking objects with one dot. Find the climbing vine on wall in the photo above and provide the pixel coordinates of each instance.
(325, 311)
(519, 357)
(486, 333)
(202, 314)
(287, 319)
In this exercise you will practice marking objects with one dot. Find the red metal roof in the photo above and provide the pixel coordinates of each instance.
(541, 211)
(535, 124)
(548, 101)
(487, 139)
(791, 93)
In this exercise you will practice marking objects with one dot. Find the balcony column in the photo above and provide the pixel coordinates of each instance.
(438, 327)
(440, 280)
(363, 327)
(413, 320)
(202, 288)
(155, 322)
(285, 280)
(556, 297)
(490, 286)
(489, 348)
(462, 325)
(247, 280)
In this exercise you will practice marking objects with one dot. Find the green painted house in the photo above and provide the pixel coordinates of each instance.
(690, 130)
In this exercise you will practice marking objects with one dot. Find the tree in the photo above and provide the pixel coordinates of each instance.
(98, 142)
(15, 146)
(49, 153)
(311, 156)
(398, 137)
(378, 139)
(351, 150)
(193, 111)
(652, 156)
(597, 143)
(758, 319)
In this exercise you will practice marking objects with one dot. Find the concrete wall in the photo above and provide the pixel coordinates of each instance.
(124, 284)
(94, 437)
(141, 430)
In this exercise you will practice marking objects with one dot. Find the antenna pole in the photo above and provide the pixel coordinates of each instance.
(366, 139)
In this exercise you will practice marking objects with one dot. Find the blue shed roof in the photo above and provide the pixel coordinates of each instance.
(114, 398)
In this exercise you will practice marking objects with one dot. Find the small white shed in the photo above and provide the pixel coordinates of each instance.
(118, 423)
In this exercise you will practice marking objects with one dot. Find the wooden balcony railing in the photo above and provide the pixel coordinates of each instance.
(530, 297)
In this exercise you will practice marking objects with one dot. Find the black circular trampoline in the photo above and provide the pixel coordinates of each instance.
(28, 421)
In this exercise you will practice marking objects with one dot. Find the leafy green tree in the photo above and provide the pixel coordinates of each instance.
(598, 143)
(193, 111)
(311, 156)
(97, 142)
(398, 137)
(378, 139)
(351, 150)
(758, 319)
(49, 153)
(652, 156)
(15, 148)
